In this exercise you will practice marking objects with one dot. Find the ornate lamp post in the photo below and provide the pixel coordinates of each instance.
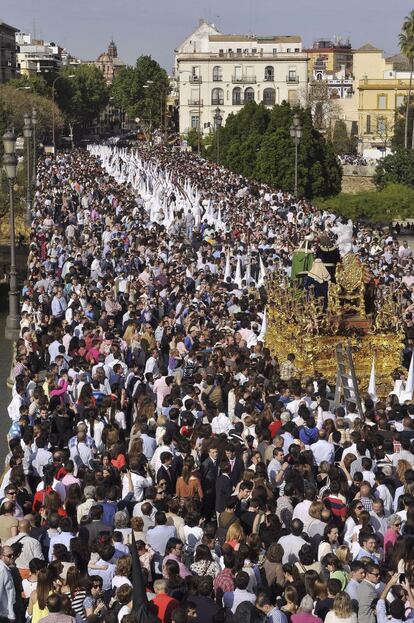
(296, 131)
(27, 133)
(218, 119)
(10, 166)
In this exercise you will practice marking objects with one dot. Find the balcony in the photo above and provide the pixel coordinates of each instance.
(195, 79)
(216, 101)
(243, 79)
(218, 78)
(195, 102)
(292, 79)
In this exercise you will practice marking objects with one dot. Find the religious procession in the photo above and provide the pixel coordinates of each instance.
(212, 415)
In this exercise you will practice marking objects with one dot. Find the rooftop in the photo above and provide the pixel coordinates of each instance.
(269, 39)
(4, 25)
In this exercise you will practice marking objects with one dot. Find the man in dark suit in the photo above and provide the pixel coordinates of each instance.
(166, 474)
(224, 487)
(236, 464)
(209, 471)
(96, 525)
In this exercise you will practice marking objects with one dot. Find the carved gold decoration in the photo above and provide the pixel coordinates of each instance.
(298, 324)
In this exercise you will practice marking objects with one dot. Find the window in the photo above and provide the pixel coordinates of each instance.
(399, 101)
(239, 51)
(237, 96)
(217, 97)
(269, 73)
(249, 95)
(381, 125)
(269, 97)
(382, 102)
(217, 74)
(274, 51)
(288, 50)
(368, 124)
(292, 75)
(254, 50)
(195, 71)
(194, 122)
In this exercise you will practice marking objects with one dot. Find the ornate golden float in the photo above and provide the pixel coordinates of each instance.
(297, 323)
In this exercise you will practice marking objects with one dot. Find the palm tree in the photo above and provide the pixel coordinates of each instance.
(406, 40)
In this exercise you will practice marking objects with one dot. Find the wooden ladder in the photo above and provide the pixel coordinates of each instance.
(346, 390)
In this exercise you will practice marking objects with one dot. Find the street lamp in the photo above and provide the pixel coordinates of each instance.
(163, 103)
(53, 109)
(217, 123)
(27, 133)
(34, 124)
(296, 134)
(12, 331)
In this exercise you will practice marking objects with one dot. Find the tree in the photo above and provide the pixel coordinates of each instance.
(397, 168)
(341, 142)
(14, 103)
(406, 40)
(141, 91)
(323, 106)
(256, 142)
(393, 202)
(82, 98)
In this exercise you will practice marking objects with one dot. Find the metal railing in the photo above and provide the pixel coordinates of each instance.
(243, 79)
(195, 79)
(292, 79)
(195, 102)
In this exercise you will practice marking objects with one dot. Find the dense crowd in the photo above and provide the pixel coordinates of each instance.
(148, 413)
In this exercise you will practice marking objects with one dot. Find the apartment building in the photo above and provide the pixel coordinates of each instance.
(217, 72)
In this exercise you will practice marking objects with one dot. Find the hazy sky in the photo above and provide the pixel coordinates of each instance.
(156, 27)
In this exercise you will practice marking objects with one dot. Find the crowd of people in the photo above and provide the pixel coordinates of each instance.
(148, 413)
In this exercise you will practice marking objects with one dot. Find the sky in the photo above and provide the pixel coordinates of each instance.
(156, 27)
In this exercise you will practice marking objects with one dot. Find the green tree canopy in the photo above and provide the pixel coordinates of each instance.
(83, 97)
(141, 90)
(15, 103)
(406, 39)
(397, 168)
(393, 202)
(256, 142)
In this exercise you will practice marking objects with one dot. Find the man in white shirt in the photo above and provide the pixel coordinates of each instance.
(292, 543)
(7, 590)
(322, 450)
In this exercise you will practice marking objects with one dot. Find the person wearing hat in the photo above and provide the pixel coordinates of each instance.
(329, 254)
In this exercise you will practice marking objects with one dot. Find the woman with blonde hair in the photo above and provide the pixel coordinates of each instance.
(343, 554)
(402, 467)
(316, 526)
(342, 611)
(235, 535)
(188, 484)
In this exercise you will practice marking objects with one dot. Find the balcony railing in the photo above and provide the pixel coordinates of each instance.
(241, 102)
(218, 78)
(195, 102)
(292, 79)
(195, 79)
(243, 79)
(217, 101)
(269, 78)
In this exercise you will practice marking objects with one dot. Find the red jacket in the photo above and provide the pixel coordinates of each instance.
(164, 606)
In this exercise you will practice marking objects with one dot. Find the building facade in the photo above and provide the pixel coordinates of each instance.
(36, 56)
(333, 55)
(382, 87)
(217, 71)
(109, 63)
(8, 61)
